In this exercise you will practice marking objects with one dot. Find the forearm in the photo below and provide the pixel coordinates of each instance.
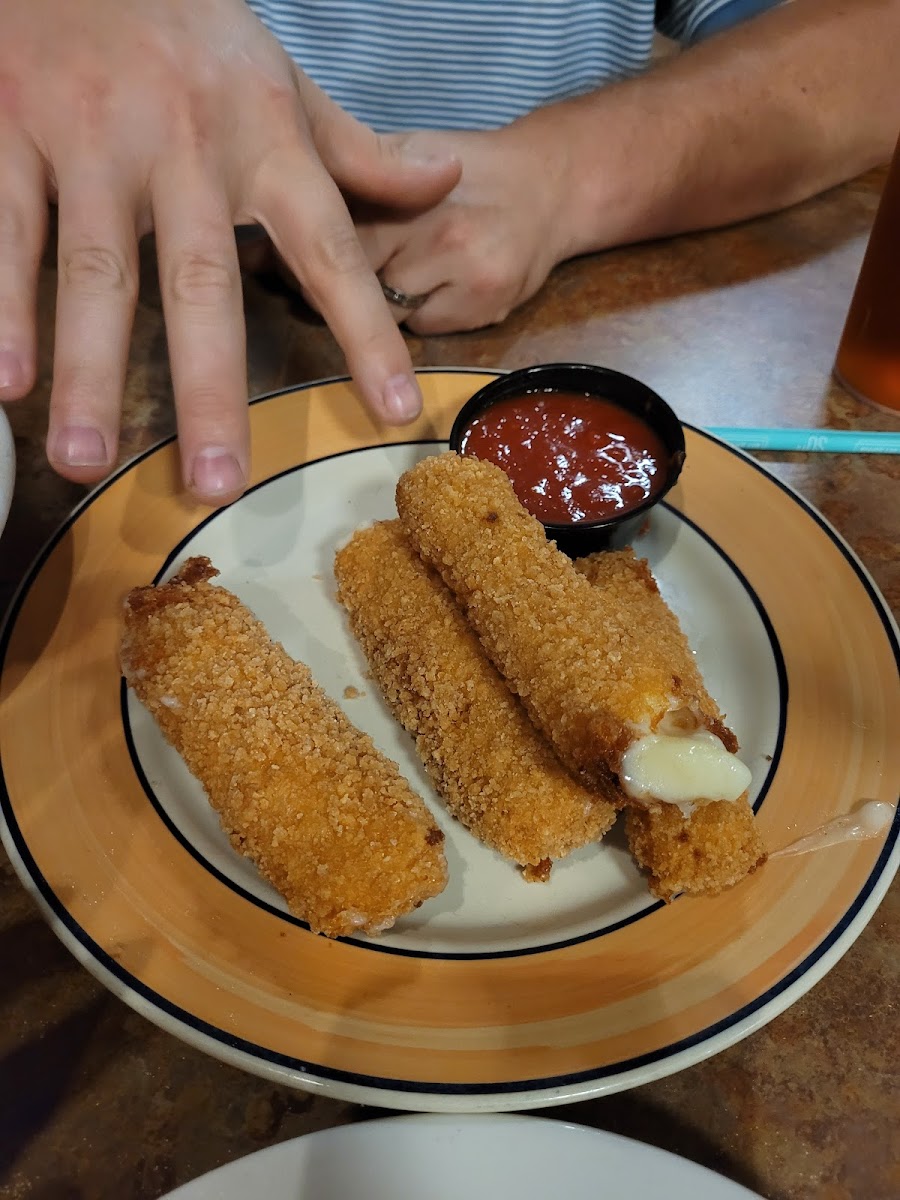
(755, 119)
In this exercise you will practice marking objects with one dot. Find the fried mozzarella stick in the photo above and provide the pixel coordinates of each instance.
(610, 693)
(498, 776)
(327, 819)
(714, 848)
(716, 845)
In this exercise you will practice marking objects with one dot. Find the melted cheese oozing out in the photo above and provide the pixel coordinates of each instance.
(868, 821)
(683, 769)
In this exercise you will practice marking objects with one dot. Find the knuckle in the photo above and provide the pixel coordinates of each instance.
(279, 98)
(488, 281)
(455, 234)
(93, 100)
(200, 280)
(206, 403)
(97, 269)
(337, 251)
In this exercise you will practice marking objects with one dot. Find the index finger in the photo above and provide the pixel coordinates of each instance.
(307, 219)
(201, 290)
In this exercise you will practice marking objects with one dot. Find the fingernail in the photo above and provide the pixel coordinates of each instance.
(418, 152)
(419, 158)
(401, 399)
(216, 473)
(12, 371)
(79, 446)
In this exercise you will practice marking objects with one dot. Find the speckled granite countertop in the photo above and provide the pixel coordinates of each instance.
(733, 327)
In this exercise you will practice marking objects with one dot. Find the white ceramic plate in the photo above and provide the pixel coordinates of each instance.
(461, 1158)
(7, 467)
(497, 994)
(285, 568)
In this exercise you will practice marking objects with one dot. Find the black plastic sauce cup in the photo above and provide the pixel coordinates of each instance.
(577, 538)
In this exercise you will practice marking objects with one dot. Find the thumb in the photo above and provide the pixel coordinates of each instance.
(411, 170)
(403, 170)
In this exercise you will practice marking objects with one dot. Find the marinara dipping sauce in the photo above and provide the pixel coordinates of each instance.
(571, 457)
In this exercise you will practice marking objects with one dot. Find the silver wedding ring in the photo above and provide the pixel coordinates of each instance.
(402, 299)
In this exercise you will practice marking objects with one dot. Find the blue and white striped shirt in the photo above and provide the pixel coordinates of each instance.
(479, 64)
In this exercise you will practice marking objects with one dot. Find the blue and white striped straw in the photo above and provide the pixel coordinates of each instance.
(823, 441)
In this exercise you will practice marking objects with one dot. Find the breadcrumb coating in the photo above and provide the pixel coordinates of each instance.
(326, 818)
(719, 844)
(494, 770)
(701, 855)
(591, 676)
(633, 603)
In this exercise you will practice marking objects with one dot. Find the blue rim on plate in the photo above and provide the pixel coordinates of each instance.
(126, 500)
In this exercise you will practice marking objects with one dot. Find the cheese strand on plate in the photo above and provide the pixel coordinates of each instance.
(496, 773)
(615, 698)
(328, 820)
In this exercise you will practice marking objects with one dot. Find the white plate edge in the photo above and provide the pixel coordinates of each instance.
(438, 1102)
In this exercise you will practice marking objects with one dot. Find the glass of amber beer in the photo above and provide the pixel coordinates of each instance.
(868, 357)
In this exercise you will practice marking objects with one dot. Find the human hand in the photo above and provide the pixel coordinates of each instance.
(491, 243)
(187, 119)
